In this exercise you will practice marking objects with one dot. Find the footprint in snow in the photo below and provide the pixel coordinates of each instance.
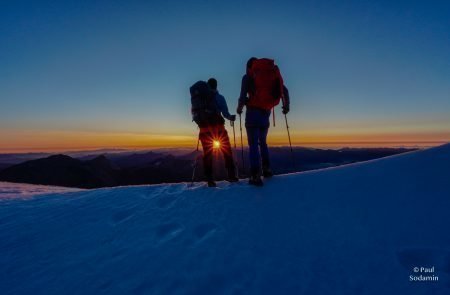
(165, 202)
(122, 216)
(168, 231)
(194, 186)
(175, 189)
(164, 190)
(204, 231)
(153, 192)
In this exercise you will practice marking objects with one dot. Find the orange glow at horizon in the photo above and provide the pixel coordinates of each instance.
(54, 141)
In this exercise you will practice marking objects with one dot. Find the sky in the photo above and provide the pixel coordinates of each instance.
(116, 74)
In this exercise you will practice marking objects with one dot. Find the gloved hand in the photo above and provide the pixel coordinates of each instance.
(233, 118)
(239, 109)
(285, 109)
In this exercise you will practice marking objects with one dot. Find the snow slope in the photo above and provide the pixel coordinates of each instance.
(10, 190)
(357, 229)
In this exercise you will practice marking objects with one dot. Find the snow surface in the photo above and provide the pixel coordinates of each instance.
(357, 229)
(9, 190)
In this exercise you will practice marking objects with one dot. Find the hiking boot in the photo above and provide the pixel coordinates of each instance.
(255, 180)
(211, 183)
(267, 172)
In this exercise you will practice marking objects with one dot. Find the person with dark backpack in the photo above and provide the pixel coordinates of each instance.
(262, 89)
(207, 108)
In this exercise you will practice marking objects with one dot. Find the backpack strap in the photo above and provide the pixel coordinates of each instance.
(280, 91)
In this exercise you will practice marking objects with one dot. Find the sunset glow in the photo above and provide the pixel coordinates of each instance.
(64, 141)
(73, 80)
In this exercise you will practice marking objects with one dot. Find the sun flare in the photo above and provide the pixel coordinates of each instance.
(216, 144)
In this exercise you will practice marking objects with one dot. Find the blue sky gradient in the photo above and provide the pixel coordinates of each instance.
(352, 67)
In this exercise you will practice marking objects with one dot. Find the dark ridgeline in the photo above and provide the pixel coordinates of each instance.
(167, 169)
(63, 170)
(4, 166)
(150, 168)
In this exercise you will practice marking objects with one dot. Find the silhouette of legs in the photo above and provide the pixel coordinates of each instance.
(258, 150)
(207, 145)
(207, 138)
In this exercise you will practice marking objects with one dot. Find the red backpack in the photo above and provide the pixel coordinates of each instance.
(267, 84)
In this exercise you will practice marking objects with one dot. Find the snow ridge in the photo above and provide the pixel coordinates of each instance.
(359, 229)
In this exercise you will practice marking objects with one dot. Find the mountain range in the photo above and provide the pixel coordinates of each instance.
(115, 169)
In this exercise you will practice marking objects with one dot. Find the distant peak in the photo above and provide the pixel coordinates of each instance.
(100, 159)
(60, 157)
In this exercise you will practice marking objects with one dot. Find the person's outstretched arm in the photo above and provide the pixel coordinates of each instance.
(286, 100)
(223, 107)
(243, 96)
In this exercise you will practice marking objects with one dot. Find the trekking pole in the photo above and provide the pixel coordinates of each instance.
(290, 143)
(234, 135)
(273, 115)
(234, 153)
(196, 162)
(242, 143)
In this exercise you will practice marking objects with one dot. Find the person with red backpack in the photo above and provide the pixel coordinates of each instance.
(262, 89)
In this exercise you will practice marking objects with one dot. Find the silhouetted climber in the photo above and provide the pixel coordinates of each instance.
(262, 89)
(208, 106)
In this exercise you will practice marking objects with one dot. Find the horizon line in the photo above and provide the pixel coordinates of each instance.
(328, 144)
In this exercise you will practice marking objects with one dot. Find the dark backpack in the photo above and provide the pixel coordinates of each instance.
(203, 105)
(266, 84)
